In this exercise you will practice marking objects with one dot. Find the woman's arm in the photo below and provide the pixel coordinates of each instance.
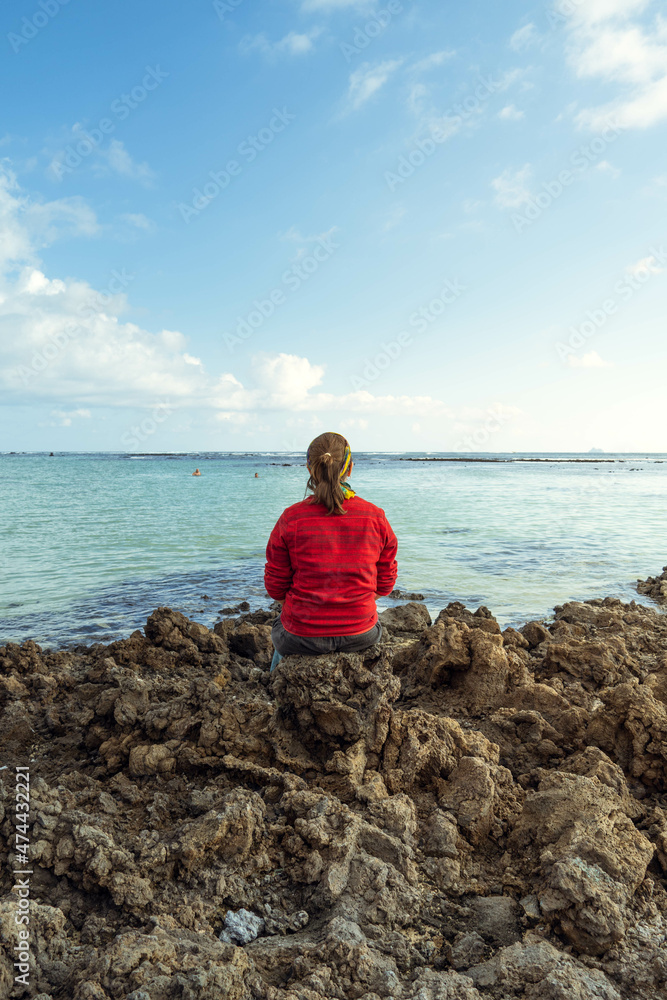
(387, 569)
(278, 570)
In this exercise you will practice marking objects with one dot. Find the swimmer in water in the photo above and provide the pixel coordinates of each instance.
(196, 473)
(257, 475)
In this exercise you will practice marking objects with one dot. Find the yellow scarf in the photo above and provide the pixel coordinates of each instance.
(347, 492)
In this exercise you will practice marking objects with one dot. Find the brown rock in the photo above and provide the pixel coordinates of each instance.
(655, 587)
(340, 697)
(592, 857)
(411, 617)
(379, 830)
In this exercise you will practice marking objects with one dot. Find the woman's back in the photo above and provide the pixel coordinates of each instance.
(328, 567)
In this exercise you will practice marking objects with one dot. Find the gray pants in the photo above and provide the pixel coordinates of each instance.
(288, 644)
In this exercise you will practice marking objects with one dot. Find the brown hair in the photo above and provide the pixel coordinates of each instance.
(326, 455)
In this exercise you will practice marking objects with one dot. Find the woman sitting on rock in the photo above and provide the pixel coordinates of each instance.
(327, 560)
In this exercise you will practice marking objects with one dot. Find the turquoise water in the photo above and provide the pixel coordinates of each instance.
(90, 544)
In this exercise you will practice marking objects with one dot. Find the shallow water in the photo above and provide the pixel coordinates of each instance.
(91, 544)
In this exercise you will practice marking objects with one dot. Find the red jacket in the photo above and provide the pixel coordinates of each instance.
(327, 568)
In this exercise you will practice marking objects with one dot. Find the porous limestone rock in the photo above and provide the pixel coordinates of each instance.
(454, 814)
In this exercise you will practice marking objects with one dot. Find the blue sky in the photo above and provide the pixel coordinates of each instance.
(232, 225)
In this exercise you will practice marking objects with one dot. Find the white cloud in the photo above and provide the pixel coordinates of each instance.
(511, 76)
(606, 168)
(606, 44)
(435, 59)
(511, 187)
(52, 219)
(416, 99)
(590, 360)
(28, 225)
(643, 265)
(511, 113)
(433, 121)
(296, 43)
(33, 282)
(64, 417)
(137, 219)
(104, 160)
(368, 80)
(590, 12)
(284, 382)
(524, 37)
(293, 43)
(567, 111)
(286, 378)
(117, 159)
(66, 344)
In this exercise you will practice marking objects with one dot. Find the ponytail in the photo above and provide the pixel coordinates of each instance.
(326, 456)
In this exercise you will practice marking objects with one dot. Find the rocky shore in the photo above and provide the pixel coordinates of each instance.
(655, 587)
(459, 813)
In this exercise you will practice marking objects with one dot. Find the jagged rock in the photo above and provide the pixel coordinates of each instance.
(535, 633)
(454, 795)
(655, 586)
(632, 727)
(602, 663)
(441, 835)
(147, 960)
(411, 617)
(430, 985)
(481, 619)
(592, 857)
(513, 638)
(496, 918)
(544, 972)
(233, 830)
(339, 697)
(253, 642)
(461, 769)
(151, 759)
(443, 647)
(467, 950)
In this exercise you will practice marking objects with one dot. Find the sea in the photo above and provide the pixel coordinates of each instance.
(90, 544)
